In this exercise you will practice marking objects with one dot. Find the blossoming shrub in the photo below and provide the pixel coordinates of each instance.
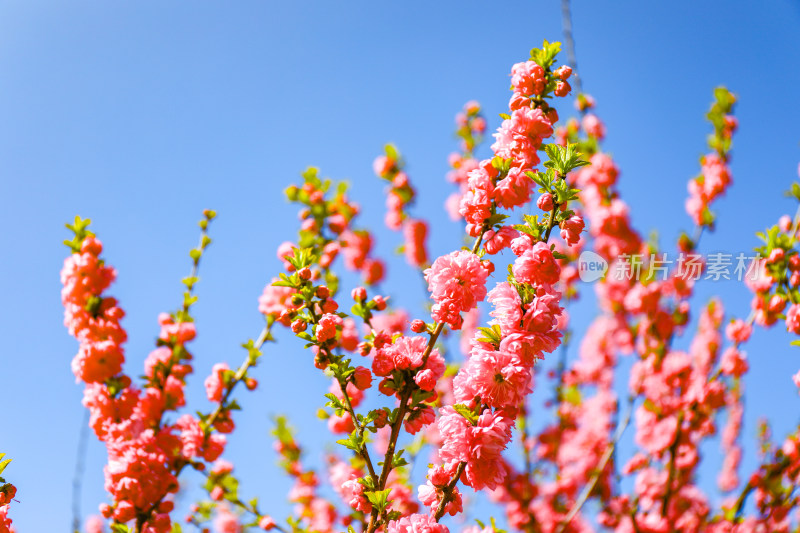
(546, 194)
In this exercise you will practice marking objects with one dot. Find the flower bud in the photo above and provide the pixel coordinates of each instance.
(329, 306)
(776, 304)
(563, 72)
(545, 202)
(323, 292)
(362, 378)
(359, 294)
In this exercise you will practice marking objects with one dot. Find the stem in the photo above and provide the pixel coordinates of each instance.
(77, 479)
(587, 490)
(673, 451)
(364, 452)
(448, 491)
(552, 222)
(523, 427)
(237, 378)
(254, 511)
(388, 460)
(398, 423)
(771, 470)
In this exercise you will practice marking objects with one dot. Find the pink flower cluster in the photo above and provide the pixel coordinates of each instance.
(607, 213)
(144, 453)
(516, 141)
(416, 523)
(357, 249)
(336, 215)
(715, 178)
(400, 195)
(94, 321)
(404, 362)
(318, 513)
(497, 376)
(470, 128)
(457, 282)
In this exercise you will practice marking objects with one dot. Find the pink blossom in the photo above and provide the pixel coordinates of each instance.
(733, 362)
(738, 331)
(266, 523)
(537, 266)
(793, 319)
(215, 383)
(545, 202)
(571, 229)
(593, 126)
(362, 378)
(94, 524)
(416, 523)
(327, 326)
(495, 242)
(457, 283)
(414, 232)
(527, 78)
(499, 378)
(225, 521)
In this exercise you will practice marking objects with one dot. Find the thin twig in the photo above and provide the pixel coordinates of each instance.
(673, 452)
(360, 428)
(77, 478)
(448, 491)
(587, 490)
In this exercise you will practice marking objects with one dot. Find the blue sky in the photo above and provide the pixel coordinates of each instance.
(139, 115)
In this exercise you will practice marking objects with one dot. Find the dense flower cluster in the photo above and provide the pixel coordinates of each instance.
(491, 386)
(457, 282)
(516, 142)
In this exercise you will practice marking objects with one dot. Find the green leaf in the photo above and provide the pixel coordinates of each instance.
(492, 335)
(334, 403)
(354, 442)
(378, 499)
(398, 460)
(392, 152)
(3, 464)
(497, 218)
(466, 412)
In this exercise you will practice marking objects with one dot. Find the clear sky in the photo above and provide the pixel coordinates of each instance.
(139, 115)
